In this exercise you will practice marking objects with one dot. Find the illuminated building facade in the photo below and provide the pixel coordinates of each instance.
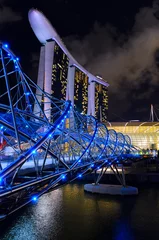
(144, 135)
(101, 102)
(59, 73)
(52, 74)
(61, 79)
(81, 91)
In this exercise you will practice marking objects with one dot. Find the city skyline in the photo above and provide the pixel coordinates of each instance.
(103, 33)
(60, 75)
(59, 146)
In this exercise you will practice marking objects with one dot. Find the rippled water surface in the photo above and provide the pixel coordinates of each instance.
(70, 213)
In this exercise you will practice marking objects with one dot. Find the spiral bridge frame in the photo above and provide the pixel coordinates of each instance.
(39, 154)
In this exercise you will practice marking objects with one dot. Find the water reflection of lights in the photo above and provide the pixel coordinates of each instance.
(39, 219)
(123, 230)
(47, 210)
(73, 194)
(49, 201)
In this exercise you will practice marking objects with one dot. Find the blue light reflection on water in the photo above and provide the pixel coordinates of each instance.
(69, 213)
(123, 230)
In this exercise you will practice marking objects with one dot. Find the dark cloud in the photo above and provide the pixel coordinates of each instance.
(126, 61)
(32, 69)
(7, 14)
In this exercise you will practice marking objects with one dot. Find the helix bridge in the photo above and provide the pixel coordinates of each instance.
(44, 145)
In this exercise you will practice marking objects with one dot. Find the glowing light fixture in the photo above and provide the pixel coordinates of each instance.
(63, 176)
(34, 198)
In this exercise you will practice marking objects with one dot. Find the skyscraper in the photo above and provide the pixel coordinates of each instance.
(61, 76)
(81, 91)
(59, 73)
(101, 102)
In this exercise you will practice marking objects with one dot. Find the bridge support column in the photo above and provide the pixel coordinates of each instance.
(109, 188)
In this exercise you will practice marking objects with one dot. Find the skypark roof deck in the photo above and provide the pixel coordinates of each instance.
(44, 31)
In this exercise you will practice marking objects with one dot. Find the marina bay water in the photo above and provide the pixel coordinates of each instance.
(69, 213)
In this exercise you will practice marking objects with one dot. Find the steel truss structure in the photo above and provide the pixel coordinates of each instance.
(38, 154)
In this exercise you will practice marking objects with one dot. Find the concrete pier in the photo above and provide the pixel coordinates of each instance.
(110, 189)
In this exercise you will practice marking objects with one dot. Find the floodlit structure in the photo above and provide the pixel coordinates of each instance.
(143, 134)
(60, 74)
(38, 155)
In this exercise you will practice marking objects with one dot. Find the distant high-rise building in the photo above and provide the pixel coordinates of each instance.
(61, 76)
(81, 91)
(101, 102)
(59, 73)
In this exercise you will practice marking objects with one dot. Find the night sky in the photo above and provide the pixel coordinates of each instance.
(118, 40)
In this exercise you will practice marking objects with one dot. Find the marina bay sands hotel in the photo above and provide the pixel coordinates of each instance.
(63, 77)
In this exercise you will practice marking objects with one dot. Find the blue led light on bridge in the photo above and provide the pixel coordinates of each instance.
(34, 198)
(6, 45)
(63, 176)
(88, 141)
